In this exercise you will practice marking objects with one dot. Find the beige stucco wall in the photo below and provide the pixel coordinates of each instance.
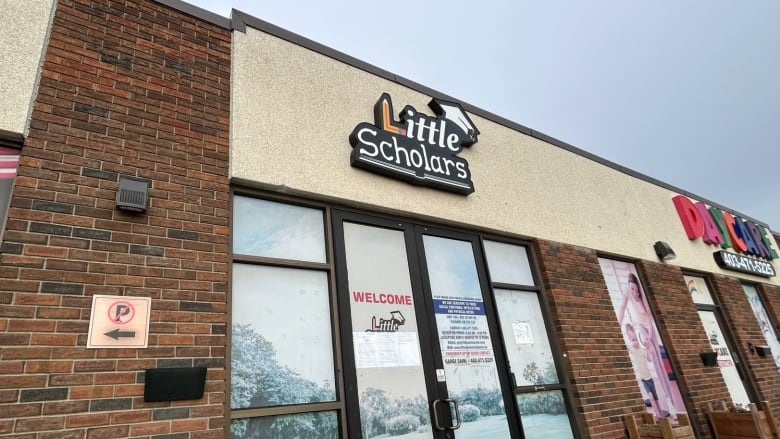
(292, 113)
(23, 32)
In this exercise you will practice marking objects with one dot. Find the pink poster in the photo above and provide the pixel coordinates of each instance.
(652, 367)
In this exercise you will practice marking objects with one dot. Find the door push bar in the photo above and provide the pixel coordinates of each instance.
(451, 403)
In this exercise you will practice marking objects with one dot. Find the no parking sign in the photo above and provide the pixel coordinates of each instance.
(119, 322)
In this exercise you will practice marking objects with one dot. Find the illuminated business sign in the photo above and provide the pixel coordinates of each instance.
(744, 264)
(417, 148)
(719, 228)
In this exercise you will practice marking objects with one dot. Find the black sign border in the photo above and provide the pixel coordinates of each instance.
(721, 261)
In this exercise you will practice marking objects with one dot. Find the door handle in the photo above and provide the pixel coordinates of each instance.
(450, 403)
(457, 414)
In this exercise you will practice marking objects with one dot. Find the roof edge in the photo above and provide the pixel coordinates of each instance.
(197, 12)
(239, 21)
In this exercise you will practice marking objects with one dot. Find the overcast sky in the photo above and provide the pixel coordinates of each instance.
(687, 92)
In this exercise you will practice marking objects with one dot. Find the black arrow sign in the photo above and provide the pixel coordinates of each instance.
(116, 333)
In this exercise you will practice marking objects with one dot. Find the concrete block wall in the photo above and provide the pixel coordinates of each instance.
(127, 88)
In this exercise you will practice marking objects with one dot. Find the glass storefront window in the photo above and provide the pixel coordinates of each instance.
(282, 378)
(464, 334)
(508, 263)
(763, 321)
(9, 161)
(543, 415)
(727, 362)
(282, 344)
(315, 425)
(390, 376)
(538, 389)
(277, 230)
(525, 336)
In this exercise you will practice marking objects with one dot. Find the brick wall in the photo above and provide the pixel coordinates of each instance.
(769, 378)
(128, 88)
(597, 361)
(745, 328)
(684, 338)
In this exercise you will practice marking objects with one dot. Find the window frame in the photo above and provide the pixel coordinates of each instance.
(328, 267)
(14, 143)
(731, 342)
(564, 383)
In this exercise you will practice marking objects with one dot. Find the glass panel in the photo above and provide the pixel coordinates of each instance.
(543, 415)
(9, 161)
(277, 230)
(469, 362)
(726, 363)
(317, 425)
(763, 321)
(525, 337)
(508, 263)
(390, 377)
(656, 381)
(699, 291)
(281, 342)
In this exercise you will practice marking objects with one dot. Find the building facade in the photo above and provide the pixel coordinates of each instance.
(342, 252)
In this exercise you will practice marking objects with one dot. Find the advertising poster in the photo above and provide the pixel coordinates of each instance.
(763, 321)
(726, 362)
(655, 378)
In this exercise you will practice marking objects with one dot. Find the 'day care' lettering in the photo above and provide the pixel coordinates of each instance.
(716, 227)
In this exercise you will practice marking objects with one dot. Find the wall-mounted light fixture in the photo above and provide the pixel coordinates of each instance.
(664, 251)
(132, 194)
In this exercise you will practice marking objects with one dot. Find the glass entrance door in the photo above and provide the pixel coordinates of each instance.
(419, 352)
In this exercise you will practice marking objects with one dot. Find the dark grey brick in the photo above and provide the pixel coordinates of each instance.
(170, 413)
(174, 362)
(146, 250)
(102, 112)
(97, 173)
(172, 436)
(202, 129)
(102, 405)
(196, 306)
(51, 206)
(102, 235)
(180, 67)
(51, 229)
(115, 61)
(30, 395)
(212, 363)
(62, 288)
(11, 248)
(182, 234)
